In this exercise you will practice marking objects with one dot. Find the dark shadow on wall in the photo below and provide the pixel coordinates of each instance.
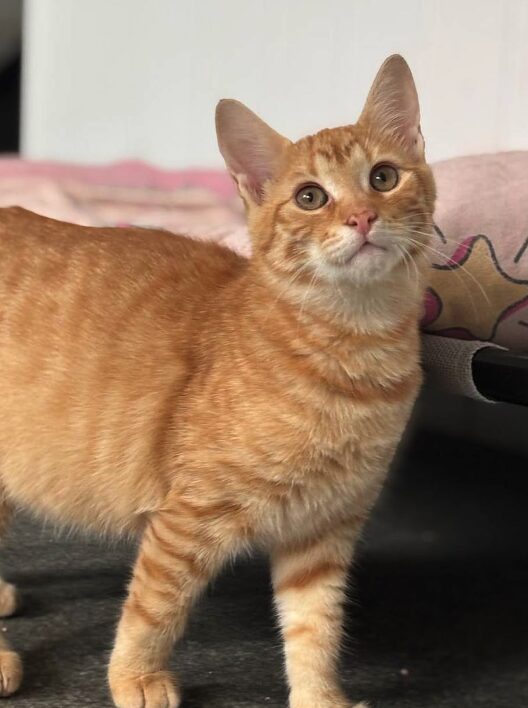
(10, 107)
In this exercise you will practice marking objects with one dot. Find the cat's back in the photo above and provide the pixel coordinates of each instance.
(61, 276)
(33, 244)
(89, 299)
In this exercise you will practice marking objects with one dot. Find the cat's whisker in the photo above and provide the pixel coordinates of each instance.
(420, 243)
(405, 255)
(406, 217)
(414, 265)
(296, 274)
(459, 266)
(308, 289)
(461, 281)
(408, 231)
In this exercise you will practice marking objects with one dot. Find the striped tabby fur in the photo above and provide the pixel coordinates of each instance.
(166, 388)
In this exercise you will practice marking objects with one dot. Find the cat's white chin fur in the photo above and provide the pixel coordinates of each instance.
(364, 266)
(361, 261)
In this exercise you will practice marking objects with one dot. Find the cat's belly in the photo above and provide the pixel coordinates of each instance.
(109, 486)
(98, 503)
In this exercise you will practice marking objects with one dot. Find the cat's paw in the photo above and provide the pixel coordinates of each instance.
(155, 690)
(9, 599)
(10, 672)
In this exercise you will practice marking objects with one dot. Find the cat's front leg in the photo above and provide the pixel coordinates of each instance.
(174, 564)
(309, 582)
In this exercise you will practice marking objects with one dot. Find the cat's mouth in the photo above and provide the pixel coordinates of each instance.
(367, 249)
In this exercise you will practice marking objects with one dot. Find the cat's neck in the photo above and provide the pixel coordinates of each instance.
(369, 308)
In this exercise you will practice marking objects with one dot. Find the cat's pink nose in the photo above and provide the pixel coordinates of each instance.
(362, 220)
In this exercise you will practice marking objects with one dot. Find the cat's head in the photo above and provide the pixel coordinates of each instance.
(351, 204)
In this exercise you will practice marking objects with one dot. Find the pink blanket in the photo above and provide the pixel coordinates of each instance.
(479, 281)
(199, 203)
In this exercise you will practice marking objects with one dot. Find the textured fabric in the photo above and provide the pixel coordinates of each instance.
(448, 364)
(479, 281)
(199, 203)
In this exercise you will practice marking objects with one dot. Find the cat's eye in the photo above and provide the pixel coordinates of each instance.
(383, 178)
(311, 197)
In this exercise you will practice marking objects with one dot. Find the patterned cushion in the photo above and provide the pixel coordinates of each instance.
(479, 282)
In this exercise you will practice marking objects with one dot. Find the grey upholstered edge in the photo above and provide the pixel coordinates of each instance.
(447, 363)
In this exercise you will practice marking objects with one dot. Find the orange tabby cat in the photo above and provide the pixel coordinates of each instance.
(171, 389)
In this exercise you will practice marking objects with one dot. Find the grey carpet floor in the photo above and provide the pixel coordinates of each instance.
(438, 619)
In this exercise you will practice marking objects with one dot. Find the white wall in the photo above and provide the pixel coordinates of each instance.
(106, 79)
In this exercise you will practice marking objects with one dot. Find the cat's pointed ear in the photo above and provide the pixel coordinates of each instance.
(392, 105)
(251, 149)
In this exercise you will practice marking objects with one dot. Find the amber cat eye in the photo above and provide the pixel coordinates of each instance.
(383, 178)
(311, 197)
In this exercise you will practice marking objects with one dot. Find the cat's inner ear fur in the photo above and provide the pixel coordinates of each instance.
(392, 105)
(251, 149)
